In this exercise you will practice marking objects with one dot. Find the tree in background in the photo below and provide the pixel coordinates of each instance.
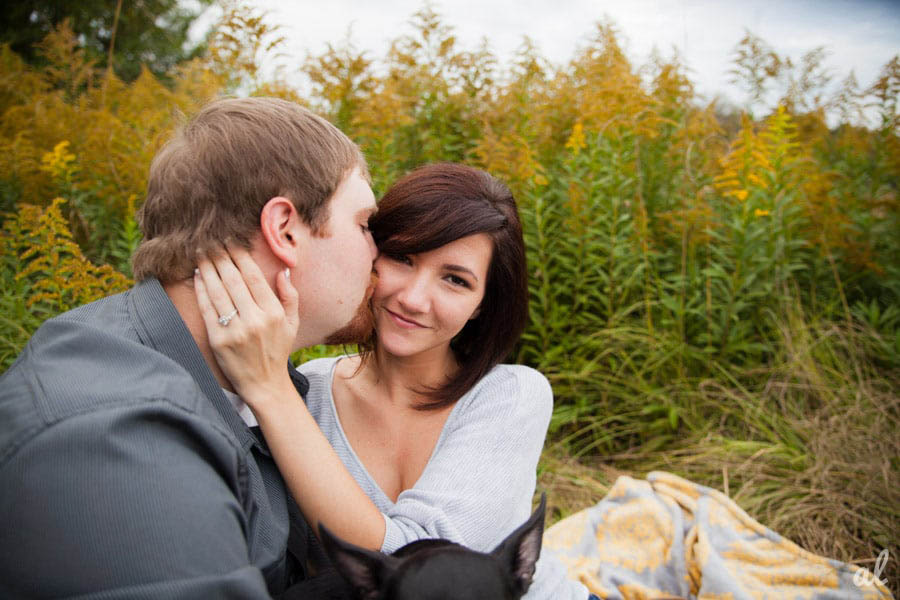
(153, 33)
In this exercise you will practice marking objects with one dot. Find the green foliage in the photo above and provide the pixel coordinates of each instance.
(44, 273)
(151, 33)
(711, 294)
(65, 132)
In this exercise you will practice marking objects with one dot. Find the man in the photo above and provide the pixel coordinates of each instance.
(127, 467)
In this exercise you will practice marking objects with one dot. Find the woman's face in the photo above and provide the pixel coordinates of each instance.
(423, 300)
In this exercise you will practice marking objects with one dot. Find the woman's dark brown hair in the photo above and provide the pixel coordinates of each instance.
(435, 205)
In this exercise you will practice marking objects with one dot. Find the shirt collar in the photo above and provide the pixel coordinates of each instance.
(161, 327)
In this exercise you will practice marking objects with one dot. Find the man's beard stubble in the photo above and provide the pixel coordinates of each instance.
(360, 327)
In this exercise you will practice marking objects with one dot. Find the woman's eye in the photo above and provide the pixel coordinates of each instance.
(400, 258)
(458, 281)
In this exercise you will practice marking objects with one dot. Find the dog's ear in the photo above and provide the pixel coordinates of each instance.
(365, 570)
(520, 550)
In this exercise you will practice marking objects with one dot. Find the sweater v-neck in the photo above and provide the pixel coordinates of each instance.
(346, 440)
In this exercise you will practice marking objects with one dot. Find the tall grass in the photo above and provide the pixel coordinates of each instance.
(806, 444)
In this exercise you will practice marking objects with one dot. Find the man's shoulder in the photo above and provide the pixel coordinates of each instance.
(83, 361)
(104, 439)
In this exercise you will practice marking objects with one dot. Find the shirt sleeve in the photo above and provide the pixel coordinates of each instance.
(136, 500)
(479, 483)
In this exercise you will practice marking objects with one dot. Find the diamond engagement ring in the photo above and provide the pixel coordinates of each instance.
(224, 320)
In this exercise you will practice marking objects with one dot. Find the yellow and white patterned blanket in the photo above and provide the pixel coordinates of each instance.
(667, 537)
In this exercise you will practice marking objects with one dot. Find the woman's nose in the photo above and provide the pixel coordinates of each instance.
(414, 295)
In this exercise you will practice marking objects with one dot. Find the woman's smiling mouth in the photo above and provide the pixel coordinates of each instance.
(403, 321)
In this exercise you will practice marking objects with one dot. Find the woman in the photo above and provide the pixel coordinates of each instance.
(426, 434)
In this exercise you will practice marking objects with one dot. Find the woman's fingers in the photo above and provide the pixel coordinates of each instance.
(218, 296)
(254, 280)
(253, 350)
(207, 310)
(230, 278)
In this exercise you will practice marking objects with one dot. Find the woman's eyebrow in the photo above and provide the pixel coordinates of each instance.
(461, 269)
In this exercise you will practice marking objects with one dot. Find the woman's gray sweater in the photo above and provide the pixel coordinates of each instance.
(479, 482)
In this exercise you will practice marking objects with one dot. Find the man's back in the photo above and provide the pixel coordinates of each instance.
(124, 469)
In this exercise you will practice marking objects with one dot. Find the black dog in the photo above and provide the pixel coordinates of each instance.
(441, 570)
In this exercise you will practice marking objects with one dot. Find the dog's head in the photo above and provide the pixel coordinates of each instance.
(441, 570)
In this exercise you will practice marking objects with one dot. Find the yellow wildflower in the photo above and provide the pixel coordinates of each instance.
(58, 162)
(576, 141)
(757, 180)
(760, 212)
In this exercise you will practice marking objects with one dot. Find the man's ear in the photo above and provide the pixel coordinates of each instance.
(283, 231)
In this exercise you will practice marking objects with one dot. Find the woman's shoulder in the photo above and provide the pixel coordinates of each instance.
(511, 406)
(319, 373)
(318, 366)
(521, 388)
(524, 378)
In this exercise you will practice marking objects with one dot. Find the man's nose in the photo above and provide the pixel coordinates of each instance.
(373, 249)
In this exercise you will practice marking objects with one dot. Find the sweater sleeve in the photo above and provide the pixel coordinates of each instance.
(479, 482)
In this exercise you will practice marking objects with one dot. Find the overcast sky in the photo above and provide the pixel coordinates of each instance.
(859, 35)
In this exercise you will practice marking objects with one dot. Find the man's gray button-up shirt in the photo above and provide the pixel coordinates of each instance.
(126, 473)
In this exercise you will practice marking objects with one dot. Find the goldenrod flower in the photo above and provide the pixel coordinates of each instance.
(576, 141)
(757, 180)
(58, 162)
